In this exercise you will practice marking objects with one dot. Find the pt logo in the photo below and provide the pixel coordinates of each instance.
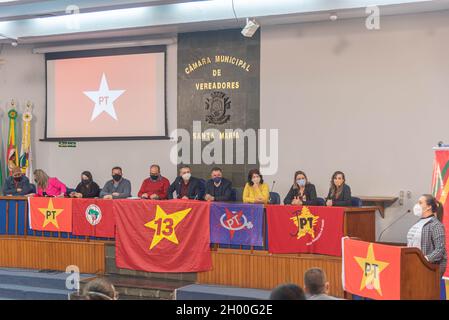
(307, 223)
(371, 275)
(235, 221)
(372, 269)
(93, 214)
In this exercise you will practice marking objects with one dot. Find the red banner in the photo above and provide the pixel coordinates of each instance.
(50, 214)
(93, 217)
(162, 236)
(371, 270)
(440, 189)
(303, 229)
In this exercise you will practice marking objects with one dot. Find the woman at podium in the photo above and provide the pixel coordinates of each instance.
(339, 192)
(428, 233)
(302, 191)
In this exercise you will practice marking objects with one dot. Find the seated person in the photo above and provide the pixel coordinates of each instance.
(186, 186)
(156, 186)
(87, 188)
(287, 291)
(48, 187)
(118, 187)
(339, 192)
(302, 192)
(256, 191)
(316, 285)
(218, 188)
(17, 184)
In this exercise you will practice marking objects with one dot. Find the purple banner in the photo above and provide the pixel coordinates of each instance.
(238, 224)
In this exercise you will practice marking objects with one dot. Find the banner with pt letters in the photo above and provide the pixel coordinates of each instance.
(50, 214)
(371, 270)
(236, 224)
(304, 229)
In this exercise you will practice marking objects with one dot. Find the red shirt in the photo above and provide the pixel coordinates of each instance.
(159, 187)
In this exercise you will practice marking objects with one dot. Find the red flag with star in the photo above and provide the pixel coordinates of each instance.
(305, 229)
(371, 270)
(162, 236)
(50, 214)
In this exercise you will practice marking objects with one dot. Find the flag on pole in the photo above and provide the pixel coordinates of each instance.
(12, 157)
(25, 159)
(440, 189)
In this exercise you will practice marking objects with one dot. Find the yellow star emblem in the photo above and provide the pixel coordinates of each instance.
(50, 214)
(164, 225)
(305, 222)
(371, 270)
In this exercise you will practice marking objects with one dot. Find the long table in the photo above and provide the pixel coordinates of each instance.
(257, 268)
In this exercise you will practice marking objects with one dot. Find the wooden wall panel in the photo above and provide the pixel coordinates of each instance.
(53, 254)
(259, 269)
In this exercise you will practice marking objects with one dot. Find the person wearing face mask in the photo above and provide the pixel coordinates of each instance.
(339, 192)
(256, 191)
(118, 187)
(218, 188)
(156, 186)
(302, 192)
(17, 184)
(428, 233)
(87, 188)
(186, 186)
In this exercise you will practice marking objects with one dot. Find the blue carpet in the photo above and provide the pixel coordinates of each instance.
(23, 284)
(210, 292)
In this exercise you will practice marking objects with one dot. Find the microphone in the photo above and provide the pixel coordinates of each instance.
(271, 190)
(380, 236)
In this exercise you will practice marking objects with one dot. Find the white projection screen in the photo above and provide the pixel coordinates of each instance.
(106, 94)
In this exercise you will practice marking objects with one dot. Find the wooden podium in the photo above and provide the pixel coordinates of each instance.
(360, 222)
(385, 272)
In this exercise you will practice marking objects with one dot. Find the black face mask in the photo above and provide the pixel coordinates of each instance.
(154, 177)
(117, 177)
(85, 181)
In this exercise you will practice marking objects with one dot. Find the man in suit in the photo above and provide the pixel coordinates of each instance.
(186, 186)
(316, 285)
(218, 188)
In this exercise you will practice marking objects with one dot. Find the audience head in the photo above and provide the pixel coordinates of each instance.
(185, 172)
(117, 174)
(254, 177)
(16, 173)
(40, 178)
(287, 291)
(315, 282)
(429, 203)
(216, 174)
(86, 177)
(100, 289)
(300, 179)
(155, 171)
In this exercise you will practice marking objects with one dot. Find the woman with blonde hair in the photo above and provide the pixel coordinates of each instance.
(47, 186)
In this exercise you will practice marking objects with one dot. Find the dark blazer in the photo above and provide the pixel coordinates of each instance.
(196, 188)
(344, 200)
(222, 193)
(90, 191)
(10, 188)
(309, 193)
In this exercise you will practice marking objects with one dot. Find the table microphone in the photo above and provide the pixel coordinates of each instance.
(380, 236)
(271, 190)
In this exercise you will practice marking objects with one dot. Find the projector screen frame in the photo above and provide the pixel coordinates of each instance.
(103, 53)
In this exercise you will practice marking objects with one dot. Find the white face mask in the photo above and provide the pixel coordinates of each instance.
(417, 210)
(186, 176)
